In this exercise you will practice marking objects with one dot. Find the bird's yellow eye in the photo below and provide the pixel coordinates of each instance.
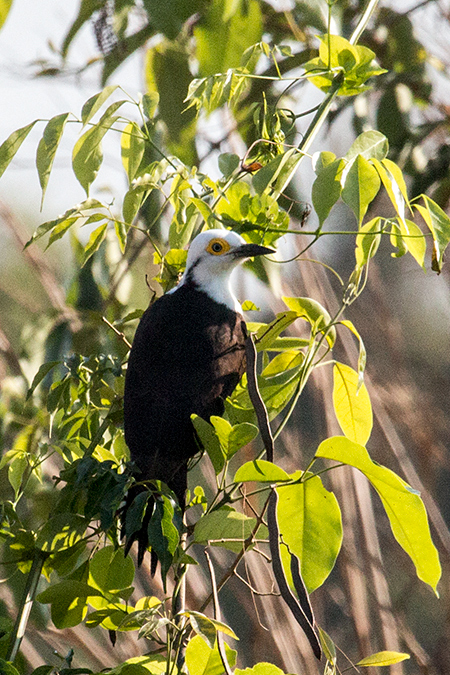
(218, 246)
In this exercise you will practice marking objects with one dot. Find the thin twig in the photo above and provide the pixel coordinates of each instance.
(117, 332)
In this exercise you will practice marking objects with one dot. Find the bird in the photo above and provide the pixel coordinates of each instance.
(187, 357)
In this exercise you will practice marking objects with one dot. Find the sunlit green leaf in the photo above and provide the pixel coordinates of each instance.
(439, 225)
(9, 147)
(16, 470)
(310, 523)
(266, 334)
(383, 659)
(326, 189)
(240, 436)
(95, 241)
(361, 186)
(313, 312)
(150, 103)
(261, 668)
(352, 404)
(320, 160)
(370, 144)
(207, 628)
(261, 471)
(94, 103)
(154, 664)
(414, 240)
(210, 442)
(393, 189)
(202, 660)
(110, 570)
(133, 146)
(220, 44)
(282, 362)
(367, 241)
(68, 601)
(403, 505)
(47, 148)
(362, 357)
(87, 155)
(61, 532)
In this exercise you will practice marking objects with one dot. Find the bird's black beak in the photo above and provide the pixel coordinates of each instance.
(250, 250)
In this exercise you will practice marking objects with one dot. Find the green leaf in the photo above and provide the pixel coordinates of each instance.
(121, 230)
(326, 189)
(68, 601)
(313, 312)
(163, 534)
(276, 172)
(5, 6)
(370, 144)
(403, 506)
(328, 646)
(218, 526)
(223, 429)
(155, 664)
(16, 470)
(61, 532)
(361, 186)
(202, 660)
(439, 225)
(47, 148)
(310, 523)
(283, 362)
(320, 160)
(221, 44)
(267, 333)
(362, 356)
(131, 205)
(228, 162)
(353, 61)
(261, 668)
(87, 155)
(6, 667)
(110, 570)
(12, 144)
(352, 404)
(210, 442)
(150, 103)
(260, 470)
(240, 436)
(94, 103)
(393, 189)
(383, 659)
(42, 670)
(95, 241)
(133, 146)
(414, 240)
(87, 8)
(367, 241)
(44, 370)
(207, 628)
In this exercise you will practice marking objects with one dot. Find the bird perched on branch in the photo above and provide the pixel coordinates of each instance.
(188, 355)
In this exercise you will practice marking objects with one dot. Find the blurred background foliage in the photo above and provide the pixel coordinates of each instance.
(49, 306)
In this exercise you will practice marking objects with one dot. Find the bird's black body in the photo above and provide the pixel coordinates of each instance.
(188, 355)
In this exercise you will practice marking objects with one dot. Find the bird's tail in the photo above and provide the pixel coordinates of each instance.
(146, 506)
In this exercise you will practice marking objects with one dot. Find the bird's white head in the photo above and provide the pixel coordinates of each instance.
(212, 257)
